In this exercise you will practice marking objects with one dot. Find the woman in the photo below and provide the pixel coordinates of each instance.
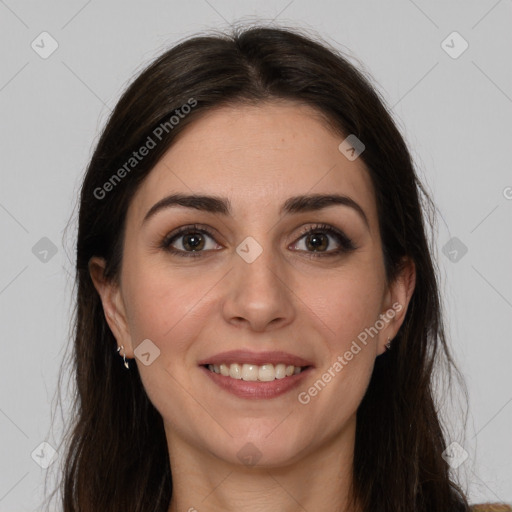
(258, 313)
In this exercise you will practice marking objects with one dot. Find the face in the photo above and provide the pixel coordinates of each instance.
(282, 282)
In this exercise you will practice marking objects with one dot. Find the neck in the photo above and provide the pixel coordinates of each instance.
(320, 480)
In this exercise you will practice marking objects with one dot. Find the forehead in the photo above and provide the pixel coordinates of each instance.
(257, 156)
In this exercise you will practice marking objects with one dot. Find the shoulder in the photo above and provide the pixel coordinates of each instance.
(491, 507)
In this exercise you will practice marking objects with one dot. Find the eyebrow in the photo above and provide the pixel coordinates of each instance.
(222, 206)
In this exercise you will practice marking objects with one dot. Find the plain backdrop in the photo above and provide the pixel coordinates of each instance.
(450, 93)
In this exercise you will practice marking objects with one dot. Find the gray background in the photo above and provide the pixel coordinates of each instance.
(454, 113)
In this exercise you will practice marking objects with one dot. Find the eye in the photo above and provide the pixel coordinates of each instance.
(317, 241)
(190, 241)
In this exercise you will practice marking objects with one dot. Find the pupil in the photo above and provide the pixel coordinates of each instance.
(193, 241)
(316, 241)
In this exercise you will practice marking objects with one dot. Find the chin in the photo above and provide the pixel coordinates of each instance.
(268, 449)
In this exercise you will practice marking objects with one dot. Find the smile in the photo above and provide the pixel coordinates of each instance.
(253, 372)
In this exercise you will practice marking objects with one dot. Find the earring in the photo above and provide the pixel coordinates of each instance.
(124, 357)
(388, 344)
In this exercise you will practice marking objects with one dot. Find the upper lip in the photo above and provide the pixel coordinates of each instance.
(257, 358)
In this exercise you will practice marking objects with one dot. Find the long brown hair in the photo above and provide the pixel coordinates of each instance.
(116, 456)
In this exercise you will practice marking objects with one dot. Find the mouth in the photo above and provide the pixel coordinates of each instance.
(255, 373)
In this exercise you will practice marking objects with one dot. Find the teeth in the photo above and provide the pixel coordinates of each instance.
(253, 372)
(249, 372)
(235, 371)
(266, 373)
(280, 371)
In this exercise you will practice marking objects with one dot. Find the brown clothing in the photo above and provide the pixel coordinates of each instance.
(491, 507)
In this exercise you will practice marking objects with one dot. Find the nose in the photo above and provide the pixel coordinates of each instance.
(259, 295)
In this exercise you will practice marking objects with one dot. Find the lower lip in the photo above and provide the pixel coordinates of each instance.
(257, 389)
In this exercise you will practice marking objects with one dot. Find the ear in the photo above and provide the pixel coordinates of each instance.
(113, 304)
(396, 301)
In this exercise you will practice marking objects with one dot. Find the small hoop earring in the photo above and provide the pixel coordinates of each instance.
(124, 357)
(388, 344)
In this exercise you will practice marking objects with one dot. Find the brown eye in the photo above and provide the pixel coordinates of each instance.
(193, 241)
(188, 241)
(318, 240)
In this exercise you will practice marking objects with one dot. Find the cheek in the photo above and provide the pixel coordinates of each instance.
(159, 308)
(168, 306)
(171, 311)
(343, 304)
(173, 304)
(346, 310)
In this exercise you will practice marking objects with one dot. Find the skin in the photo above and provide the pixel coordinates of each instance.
(193, 308)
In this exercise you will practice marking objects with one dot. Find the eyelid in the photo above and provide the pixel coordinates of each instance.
(346, 243)
(184, 230)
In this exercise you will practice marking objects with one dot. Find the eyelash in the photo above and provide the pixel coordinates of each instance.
(347, 245)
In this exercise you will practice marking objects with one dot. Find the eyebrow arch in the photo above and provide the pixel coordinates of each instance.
(220, 205)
